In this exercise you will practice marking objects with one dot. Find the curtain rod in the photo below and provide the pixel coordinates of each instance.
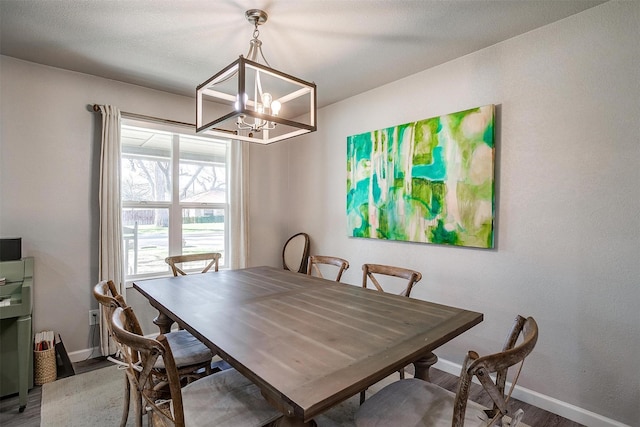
(96, 108)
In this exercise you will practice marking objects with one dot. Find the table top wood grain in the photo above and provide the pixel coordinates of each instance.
(308, 343)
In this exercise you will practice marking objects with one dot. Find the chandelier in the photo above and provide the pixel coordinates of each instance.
(251, 101)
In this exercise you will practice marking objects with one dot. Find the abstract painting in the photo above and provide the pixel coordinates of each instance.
(430, 181)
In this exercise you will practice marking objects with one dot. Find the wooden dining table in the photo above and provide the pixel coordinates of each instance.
(306, 342)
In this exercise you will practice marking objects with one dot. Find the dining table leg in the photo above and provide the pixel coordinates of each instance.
(164, 322)
(423, 364)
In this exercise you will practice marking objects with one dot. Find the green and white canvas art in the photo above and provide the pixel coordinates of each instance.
(430, 181)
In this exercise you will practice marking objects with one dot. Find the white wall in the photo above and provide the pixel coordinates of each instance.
(567, 212)
(268, 203)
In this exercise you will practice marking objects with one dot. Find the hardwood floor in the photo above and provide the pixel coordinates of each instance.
(10, 417)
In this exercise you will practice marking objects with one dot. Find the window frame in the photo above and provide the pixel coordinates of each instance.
(175, 206)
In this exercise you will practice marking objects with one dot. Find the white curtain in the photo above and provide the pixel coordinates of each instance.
(239, 194)
(110, 253)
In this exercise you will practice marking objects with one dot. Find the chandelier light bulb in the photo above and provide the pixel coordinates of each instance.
(266, 100)
(275, 107)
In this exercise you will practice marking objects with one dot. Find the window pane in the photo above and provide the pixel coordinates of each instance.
(167, 174)
(145, 235)
(203, 175)
(203, 231)
(146, 160)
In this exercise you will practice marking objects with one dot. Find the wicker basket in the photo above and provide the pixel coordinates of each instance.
(44, 365)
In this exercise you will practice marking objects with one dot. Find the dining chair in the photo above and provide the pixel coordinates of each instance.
(316, 260)
(372, 272)
(225, 398)
(213, 259)
(109, 299)
(414, 402)
(192, 357)
(296, 252)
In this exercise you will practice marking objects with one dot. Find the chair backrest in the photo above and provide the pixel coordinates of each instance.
(370, 271)
(212, 257)
(316, 260)
(109, 299)
(107, 295)
(498, 363)
(296, 252)
(141, 354)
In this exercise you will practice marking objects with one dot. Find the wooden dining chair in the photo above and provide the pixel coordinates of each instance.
(316, 260)
(414, 402)
(192, 357)
(295, 253)
(109, 299)
(372, 272)
(213, 259)
(225, 398)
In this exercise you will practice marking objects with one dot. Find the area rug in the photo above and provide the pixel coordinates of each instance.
(95, 399)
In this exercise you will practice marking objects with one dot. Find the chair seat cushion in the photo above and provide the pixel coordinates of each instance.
(187, 350)
(226, 398)
(414, 402)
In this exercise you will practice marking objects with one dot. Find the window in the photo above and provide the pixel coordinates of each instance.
(174, 197)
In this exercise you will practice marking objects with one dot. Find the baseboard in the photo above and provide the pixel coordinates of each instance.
(550, 404)
(87, 353)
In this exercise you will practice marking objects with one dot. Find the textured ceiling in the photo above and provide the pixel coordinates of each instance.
(345, 47)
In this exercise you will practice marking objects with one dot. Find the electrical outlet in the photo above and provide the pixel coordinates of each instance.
(94, 317)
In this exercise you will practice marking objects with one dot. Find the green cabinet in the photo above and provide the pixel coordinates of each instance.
(16, 335)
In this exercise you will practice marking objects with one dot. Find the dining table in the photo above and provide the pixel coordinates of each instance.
(306, 342)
